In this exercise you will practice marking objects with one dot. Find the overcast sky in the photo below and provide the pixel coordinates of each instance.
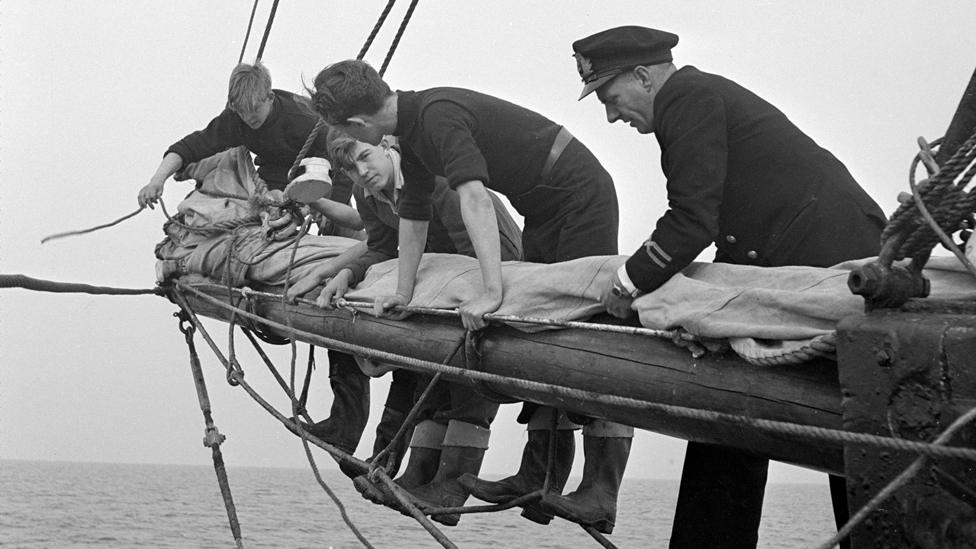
(92, 93)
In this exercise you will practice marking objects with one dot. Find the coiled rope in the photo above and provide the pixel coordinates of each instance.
(936, 207)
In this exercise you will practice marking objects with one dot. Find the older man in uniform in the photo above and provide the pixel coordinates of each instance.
(567, 198)
(741, 175)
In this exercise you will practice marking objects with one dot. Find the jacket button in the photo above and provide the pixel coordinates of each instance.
(730, 239)
(751, 254)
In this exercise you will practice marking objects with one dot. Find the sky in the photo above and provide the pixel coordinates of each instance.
(92, 94)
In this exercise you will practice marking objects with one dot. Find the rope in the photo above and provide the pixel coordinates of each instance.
(212, 437)
(897, 482)
(38, 285)
(399, 34)
(944, 189)
(93, 229)
(780, 427)
(412, 415)
(267, 30)
(376, 29)
(247, 34)
(292, 425)
(515, 319)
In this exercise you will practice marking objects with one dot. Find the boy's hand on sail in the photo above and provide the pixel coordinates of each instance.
(336, 288)
(149, 195)
(473, 310)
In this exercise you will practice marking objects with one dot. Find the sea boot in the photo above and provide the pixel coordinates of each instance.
(422, 466)
(350, 404)
(594, 503)
(531, 474)
(462, 453)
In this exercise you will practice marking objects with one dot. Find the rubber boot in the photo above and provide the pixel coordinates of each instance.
(350, 404)
(444, 490)
(531, 474)
(462, 452)
(594, 503)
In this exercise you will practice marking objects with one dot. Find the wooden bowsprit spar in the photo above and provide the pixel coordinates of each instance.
(604, 372)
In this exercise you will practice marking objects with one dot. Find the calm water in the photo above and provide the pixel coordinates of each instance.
(55, 504)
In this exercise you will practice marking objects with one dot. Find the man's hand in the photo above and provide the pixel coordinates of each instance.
(336, 288)
(149, 195)
(473, 310)
(617, 305)
(382, 306)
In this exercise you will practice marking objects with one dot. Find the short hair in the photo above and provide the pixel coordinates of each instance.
(249, 86)
(348, 88)
(342, 151)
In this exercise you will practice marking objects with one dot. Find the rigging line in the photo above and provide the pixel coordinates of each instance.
(290, 424)
(247, 34)
(93, 229)
(338, 455)
(35, 284)
(515, 319)
(212, 437)
(267, 30)
(897, 482)
(376, 29)
(399, 34)
(775, 426)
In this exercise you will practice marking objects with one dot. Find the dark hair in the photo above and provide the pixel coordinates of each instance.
(348, 88)
(341, 150)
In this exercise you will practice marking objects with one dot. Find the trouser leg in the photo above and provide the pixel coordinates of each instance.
(720, 498)
(350, 404)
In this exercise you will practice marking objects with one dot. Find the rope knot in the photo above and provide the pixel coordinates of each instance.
(212, 437)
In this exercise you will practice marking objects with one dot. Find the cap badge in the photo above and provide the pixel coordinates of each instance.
(583, 65)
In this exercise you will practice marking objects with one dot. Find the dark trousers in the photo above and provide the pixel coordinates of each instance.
(720, 499)
(350, 400)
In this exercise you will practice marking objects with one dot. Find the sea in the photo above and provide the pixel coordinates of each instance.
(67, 505)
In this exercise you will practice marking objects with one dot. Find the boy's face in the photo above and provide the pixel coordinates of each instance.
(255, 118)
(373, 167)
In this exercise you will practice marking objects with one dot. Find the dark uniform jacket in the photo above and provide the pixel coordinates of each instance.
(740, 174)
(275, 144)
(445, 233)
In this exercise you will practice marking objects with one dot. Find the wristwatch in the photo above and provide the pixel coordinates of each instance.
(617, 289)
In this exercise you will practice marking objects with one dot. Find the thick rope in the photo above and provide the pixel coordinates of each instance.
(38, 285)
(212, 437)
(781, 427)
(292, 425)
(376, 29)
(396, 39)
(247, 34)
(942, 190)
(267, 30)
(897, 482)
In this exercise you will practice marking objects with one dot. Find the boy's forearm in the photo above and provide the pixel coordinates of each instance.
(170, 164)
(413, 237)
(341, 214)
(478, 213)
